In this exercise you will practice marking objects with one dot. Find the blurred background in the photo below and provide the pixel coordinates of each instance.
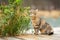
(44, 5)
(52, 6)
(39, 4)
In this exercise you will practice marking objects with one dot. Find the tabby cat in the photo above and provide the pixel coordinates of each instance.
(41, 25)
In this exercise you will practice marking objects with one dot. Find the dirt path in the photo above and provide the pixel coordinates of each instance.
(56, 36)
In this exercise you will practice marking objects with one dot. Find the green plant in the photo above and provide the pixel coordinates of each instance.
(14, 19)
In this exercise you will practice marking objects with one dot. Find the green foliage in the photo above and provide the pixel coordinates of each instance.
(14, 19)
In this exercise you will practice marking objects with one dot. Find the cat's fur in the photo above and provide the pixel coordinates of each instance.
(40, 25)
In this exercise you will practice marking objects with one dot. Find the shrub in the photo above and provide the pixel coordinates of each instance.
(14, 19)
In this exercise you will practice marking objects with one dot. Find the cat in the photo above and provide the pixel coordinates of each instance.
(40, 24)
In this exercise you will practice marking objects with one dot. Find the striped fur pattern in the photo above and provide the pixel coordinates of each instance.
(41, 25)
(45, 28)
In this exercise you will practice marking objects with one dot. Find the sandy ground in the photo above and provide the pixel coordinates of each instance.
(56, 36)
